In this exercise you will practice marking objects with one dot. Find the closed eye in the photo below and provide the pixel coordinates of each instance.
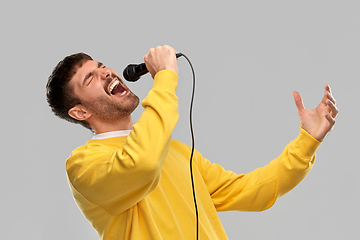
(90, 75)
(90, 79)
(101, 65)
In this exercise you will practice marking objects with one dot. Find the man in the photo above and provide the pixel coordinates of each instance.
(133, 181)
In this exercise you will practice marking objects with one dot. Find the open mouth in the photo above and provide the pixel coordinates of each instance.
(117, 89)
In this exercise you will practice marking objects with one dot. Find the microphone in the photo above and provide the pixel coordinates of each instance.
(133, 72)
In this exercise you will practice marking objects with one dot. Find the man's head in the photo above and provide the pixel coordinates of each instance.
(84, 91)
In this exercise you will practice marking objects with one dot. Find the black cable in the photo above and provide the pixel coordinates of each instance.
(192, 145)
(132, 73)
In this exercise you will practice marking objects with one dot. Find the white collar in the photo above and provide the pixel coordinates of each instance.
(122, 133)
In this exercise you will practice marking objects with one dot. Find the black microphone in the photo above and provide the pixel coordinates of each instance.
(133, 72)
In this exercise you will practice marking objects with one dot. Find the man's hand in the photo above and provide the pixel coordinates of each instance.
(319, 121)
(161, 58)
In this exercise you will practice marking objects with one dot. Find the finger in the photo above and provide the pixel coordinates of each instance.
(333, 109)
(170, 49)
(149, 55)
(327, 88)
(331, 97)
(331, 120)
(328, 94)
(149, 59)
(298, 101)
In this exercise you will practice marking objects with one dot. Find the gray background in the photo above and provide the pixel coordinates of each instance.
(248, 56)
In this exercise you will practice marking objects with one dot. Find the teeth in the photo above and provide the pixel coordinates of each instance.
(123, 93)
(115, 84)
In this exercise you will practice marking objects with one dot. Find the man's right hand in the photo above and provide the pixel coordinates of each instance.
(161, 58)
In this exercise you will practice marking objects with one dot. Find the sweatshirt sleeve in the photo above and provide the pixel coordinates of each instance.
(115, 180)
(259, 189)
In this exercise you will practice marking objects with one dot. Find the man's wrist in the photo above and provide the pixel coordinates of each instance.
(166, 79)
(305, 144)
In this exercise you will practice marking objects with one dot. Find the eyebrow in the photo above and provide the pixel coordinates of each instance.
(90, 73)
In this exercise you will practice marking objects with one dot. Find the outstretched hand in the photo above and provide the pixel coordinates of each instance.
(319, 121)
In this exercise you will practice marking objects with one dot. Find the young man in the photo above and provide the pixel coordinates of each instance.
(133, 181)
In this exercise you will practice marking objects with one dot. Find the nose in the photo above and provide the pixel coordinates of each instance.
(105, 73)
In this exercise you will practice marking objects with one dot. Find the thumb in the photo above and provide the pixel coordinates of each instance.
(298, 102)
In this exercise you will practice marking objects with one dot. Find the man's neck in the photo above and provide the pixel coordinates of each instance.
(103, 127)
(113, 134)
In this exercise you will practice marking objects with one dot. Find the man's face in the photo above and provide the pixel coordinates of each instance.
(102, 92)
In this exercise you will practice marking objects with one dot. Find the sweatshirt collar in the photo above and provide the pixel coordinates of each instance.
(122, 133)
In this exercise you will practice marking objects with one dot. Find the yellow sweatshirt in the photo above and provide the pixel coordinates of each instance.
(139, 187)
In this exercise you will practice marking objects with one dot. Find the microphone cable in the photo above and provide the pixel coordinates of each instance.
(192, 143)
(132, 73)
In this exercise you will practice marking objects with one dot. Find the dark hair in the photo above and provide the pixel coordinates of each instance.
(59, 93)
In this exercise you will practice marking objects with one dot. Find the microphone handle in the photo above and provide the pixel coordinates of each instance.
(133, 72)
(140, 69)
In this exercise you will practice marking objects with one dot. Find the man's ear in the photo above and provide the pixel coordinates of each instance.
(79, 112)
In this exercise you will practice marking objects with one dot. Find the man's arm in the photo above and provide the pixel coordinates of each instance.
(117, 179)
(259, 189)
